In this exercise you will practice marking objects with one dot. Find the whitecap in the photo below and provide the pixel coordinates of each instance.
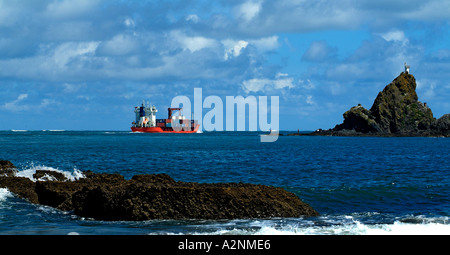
(400, 228)
(358, 228)
(30, 170)
(347, 226)
(4, 194)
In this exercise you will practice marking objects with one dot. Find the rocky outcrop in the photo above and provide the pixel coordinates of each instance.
(155, 196)
(7, 168)
(396, 111)
(442, 125)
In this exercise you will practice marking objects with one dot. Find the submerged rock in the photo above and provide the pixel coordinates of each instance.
(396, 111)
(157, 196)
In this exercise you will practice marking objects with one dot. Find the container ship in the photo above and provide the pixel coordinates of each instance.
(146, 121)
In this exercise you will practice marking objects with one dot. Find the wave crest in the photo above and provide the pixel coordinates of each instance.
(4, 194)
(31, 169)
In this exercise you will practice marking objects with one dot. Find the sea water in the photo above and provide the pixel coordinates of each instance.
(359, 185)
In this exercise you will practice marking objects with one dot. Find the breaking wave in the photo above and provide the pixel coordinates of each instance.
(397, 228)
(4, 194)
(336, 225)
(30, 170)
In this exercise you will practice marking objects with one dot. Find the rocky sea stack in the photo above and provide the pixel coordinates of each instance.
(396, 111)
(151, 196)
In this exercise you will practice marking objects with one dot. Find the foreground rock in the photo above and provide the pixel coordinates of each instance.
(396, 111)
(156, 196)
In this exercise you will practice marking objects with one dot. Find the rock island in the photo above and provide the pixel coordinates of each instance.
(396, 111)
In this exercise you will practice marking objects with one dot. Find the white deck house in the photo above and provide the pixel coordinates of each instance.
(406, 68)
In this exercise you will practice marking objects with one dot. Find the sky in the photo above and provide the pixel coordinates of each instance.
(85, 64)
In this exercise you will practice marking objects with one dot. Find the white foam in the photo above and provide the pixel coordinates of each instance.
(31, 170)
(4, 194)
(438, 226)
(397, 228)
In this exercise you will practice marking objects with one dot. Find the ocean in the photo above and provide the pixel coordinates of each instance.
(359, 185)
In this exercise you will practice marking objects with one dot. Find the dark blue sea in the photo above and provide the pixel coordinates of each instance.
(359, 185)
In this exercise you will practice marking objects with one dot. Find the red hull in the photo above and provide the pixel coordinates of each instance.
(161, 130)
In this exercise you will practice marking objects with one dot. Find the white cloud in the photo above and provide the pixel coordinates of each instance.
(197, 43)
(309, 100)
(70, 8)
(298, 16)
(266, 43)
(55, 62)
(19, 104)
(119, 45)
(287, 16)
(72, 88)
(264, 85)
(66, 52)
(307, 84)
(349, 71)
(427, 10)
(233, 48)
(16, 104)
(248, 10)
(194, 43)
(22, 97)
(129, 22)
(193, 18)
(255, 85)
(45, 102)
(395, 35)
(283, 80)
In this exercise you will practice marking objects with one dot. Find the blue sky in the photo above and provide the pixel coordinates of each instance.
(85, 64)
